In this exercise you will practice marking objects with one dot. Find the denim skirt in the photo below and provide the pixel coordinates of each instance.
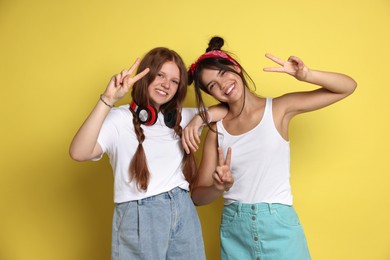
(262, 231)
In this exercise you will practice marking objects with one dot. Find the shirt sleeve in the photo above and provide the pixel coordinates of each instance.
(186, 116)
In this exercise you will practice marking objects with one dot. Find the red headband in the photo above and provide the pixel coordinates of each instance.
(212, 54)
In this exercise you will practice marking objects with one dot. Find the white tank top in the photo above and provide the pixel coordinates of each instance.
(260, 163)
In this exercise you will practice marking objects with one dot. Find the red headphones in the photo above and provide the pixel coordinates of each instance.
(148, 115)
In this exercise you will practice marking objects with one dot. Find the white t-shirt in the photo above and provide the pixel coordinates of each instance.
(260, 163)
(163, 150)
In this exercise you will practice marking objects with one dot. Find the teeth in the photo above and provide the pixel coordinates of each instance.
(162, 92)
(229, 90)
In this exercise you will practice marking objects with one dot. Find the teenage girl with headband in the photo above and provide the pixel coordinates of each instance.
(246, 156)
(154, 216)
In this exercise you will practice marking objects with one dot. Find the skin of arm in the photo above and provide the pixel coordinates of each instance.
(214, 176)
(84, 145)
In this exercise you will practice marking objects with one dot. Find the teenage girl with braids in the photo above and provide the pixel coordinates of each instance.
(154, 216)
(246, 156)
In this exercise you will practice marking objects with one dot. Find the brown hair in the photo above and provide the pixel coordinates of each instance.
(154, 60)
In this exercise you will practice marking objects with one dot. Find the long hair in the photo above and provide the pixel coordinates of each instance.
(220, 64)
(154, 60)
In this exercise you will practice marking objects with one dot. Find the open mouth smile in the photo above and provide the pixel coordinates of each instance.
(161, 92)
(230, 89)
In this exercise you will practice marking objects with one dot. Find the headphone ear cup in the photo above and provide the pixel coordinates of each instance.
(172, 118)
(150, 115)
(146, 115)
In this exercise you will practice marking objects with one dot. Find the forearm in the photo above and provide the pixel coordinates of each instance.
(203, 195)
(84, 142)
(216, 113)
(334, 82)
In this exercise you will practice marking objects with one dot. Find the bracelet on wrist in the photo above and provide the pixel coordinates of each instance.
(209, 117)
(104, 102)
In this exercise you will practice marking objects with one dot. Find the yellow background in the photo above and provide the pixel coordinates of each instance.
(56, 57)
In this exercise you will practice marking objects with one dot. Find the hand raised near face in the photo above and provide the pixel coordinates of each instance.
(121, 83)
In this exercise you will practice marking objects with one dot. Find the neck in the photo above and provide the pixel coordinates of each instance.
(245, 106)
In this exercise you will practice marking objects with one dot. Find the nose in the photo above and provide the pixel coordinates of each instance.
(165, 84)
(222, 86)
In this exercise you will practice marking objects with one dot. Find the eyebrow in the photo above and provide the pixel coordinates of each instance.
(174, 78)
(218, 74)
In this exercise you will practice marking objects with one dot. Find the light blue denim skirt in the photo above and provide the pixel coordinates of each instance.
(165, 226)
(262, 231)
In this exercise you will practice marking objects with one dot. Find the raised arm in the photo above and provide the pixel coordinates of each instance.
(84, 145)
(334, 86)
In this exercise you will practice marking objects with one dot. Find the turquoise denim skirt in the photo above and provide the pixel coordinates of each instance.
(262, 231)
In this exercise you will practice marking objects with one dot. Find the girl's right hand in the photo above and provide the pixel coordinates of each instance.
(121, 83)
(223, 179)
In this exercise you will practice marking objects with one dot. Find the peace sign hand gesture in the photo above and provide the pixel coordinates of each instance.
(223, 179)
(120, 84)
(293, 66)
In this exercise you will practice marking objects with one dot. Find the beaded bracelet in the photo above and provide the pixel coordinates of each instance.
(101, 99)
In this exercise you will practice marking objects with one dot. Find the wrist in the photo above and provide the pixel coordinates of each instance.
(204, 118)
(218, 188)
(306, 76)
(209, 117)
(106, 101)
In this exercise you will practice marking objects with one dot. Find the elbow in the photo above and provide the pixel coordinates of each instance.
(349, 87)
(354, 86)
(75, 155)
(195, 198)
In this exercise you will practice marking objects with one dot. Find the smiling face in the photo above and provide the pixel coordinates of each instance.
(225, 86)
(164, 87)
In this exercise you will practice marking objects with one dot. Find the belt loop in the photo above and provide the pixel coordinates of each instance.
(239, 209)
(170, 194)
(271, 208)
(139, 202)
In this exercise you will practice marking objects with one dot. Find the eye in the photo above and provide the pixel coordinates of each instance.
(222, 72)
(160, 75)
(176, 82)
(210, 86)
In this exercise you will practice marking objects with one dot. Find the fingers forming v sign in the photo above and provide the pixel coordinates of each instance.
(222, 174)
(293, 66)
(120, 84)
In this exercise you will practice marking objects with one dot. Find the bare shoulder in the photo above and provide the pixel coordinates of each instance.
(280, 104)
(291, 104)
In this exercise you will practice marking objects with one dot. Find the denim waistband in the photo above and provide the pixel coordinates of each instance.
(165, 195)
(255, 207)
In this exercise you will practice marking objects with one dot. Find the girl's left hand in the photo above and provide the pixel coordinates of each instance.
(293, 66)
